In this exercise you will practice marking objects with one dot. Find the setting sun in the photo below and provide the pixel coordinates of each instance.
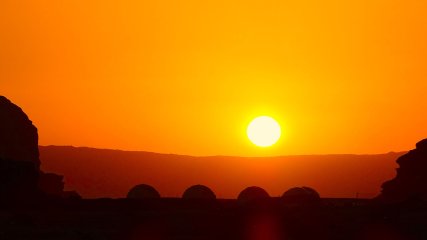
(264, 131)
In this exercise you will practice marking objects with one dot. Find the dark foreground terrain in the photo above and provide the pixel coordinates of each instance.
(211, 219)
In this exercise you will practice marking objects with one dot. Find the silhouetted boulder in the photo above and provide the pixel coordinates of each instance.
(411, 178)
(18, 135)
(252, 194)
(199, 192)
(301, 196)
(143, 191)
(51, 184)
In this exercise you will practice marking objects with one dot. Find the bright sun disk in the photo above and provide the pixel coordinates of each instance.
(264, 131)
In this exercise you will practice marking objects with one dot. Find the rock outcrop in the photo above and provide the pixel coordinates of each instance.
(51, 184)
(18, 180)
(411, 178)
(20, 175)
(18, 135)
(19, 154)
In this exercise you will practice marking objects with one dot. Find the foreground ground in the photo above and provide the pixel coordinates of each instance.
(222, 219)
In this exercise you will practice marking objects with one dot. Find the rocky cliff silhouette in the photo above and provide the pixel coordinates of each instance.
(19, 154)
(411, 177)
(18, 138)
(20, 175)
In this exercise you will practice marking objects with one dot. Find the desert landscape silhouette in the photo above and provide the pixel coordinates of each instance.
(213, 119)
(34, 204)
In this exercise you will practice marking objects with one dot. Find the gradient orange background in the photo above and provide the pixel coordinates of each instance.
(187, 76)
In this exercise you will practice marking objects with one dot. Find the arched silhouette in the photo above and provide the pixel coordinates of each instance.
(253, 193)
(198, 192)
(312, 191)
(143, 191)
(301, 195)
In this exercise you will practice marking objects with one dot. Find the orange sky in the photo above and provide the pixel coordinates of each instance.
(186, 76)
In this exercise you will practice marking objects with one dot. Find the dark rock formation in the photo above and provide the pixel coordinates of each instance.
(411, 178)
(18, 135)
(199, 192)
(301, 196)
(70, 195)
(18, 180)
(52, 184)
(19, 154)
(143, 191)
(252, 194)
(20, 175)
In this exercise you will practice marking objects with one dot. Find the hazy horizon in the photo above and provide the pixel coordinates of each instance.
(221, 155)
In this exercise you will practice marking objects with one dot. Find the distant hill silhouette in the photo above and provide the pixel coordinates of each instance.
(109, 173)
(411, 178)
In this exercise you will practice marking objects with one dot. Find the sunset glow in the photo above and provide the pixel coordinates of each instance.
(213, 119)
(186, 77)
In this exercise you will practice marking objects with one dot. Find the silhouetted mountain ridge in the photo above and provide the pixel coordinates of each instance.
(111, 173)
